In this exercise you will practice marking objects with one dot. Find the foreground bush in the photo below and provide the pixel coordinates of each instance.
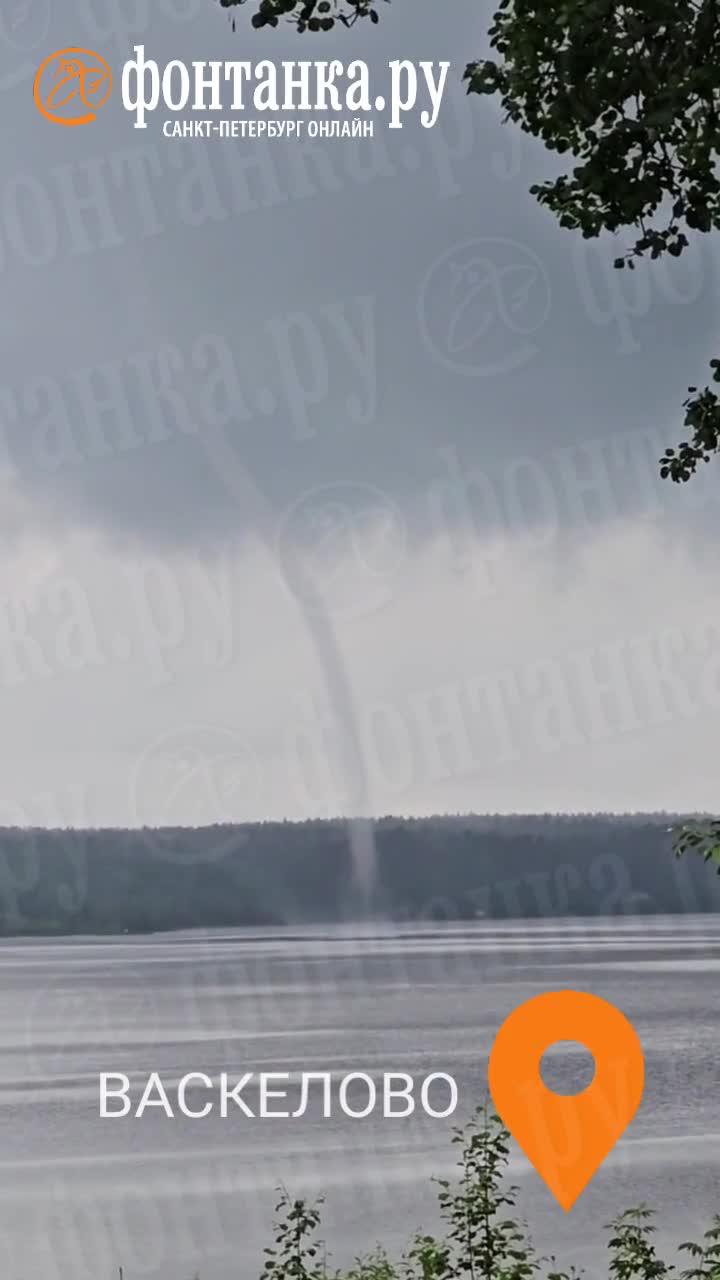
(481, 1239)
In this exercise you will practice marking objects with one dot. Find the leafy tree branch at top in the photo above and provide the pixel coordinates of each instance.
(309, 15)
(630, 92)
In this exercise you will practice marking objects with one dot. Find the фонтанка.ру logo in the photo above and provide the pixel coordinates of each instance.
(72, 85)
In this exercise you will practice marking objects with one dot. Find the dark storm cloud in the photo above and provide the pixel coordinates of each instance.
(395, 316)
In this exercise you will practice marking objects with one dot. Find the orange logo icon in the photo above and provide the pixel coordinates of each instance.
(72, 85)
(566, 1138)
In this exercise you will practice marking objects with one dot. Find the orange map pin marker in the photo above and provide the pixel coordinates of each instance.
(567, 1137)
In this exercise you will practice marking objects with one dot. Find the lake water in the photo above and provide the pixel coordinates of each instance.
(167, 1198)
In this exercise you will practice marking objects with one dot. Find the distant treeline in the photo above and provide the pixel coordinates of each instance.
(460, 868)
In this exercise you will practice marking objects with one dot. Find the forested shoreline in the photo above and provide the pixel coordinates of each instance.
(284, 873)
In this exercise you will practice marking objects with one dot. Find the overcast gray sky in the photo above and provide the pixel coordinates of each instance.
(329, 469)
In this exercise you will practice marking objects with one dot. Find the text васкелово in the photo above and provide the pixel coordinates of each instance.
(268, 1088)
